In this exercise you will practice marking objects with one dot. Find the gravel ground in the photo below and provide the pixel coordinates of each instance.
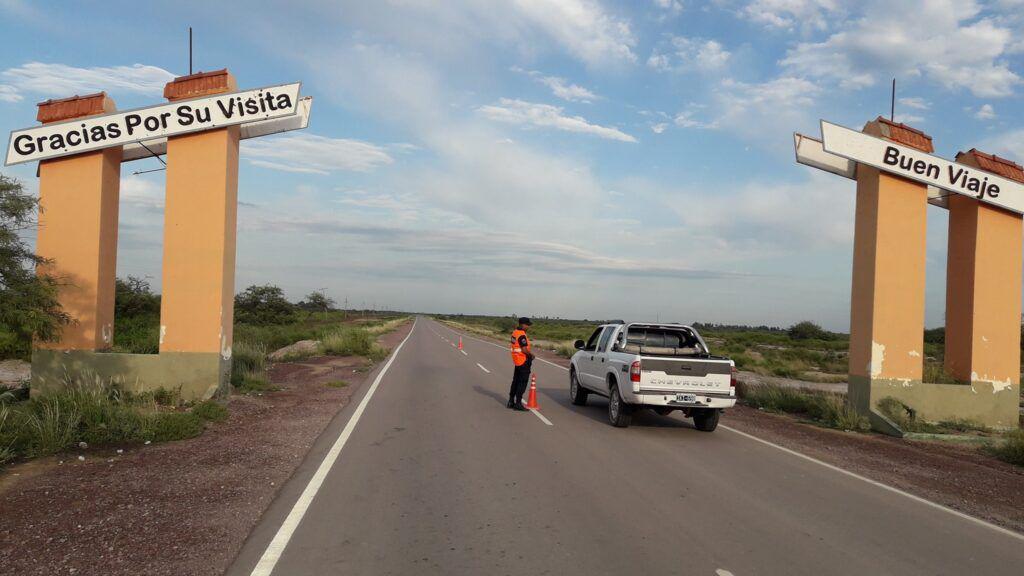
(181, 508)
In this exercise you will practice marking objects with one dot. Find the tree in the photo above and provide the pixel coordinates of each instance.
(808, 330)
(263, 305)
(133, 297)
(317, 302)
(29, 308)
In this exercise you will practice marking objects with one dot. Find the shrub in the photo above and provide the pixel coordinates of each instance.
(262, 305)
(1011, 449)
(808, 330)
(337, 384)
(317, 302)
(167, 426)
(6, 441)
(211, 411)
(829, 409)
(353, 342)
(249, 366)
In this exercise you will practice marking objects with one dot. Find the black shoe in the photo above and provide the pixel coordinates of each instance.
(511, 404)
(519, 406)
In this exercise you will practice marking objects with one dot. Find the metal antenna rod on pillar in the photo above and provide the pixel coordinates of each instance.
(189, 50)
(892, 102)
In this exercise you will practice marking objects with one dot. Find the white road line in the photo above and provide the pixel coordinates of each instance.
(541, 416)
(276, 547)
(895, 490)
(482, 367)
(463, 352)
(503, 348)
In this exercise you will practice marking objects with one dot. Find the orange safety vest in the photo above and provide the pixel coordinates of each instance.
(519, 353)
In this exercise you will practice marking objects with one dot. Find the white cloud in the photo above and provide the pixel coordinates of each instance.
(9, 94)
(685, 119)
(565, 91)
(787, 14)
(908, 119)
(561, 87)
(670, 8)
(142, 192)
(308, 153)
(942, 40)
(583, 27)
(60, 80)
(544, 115)
(767, 111)
(986, 112)
(686, 54)
(659, 127)
(916, 103)
(1009, 145)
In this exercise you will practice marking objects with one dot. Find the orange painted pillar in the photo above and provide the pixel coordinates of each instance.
(887, 304)
(983, 284)
(78, 201)
(197, 308)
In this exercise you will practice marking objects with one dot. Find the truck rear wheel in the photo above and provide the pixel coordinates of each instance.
(706, 419)
(576, 392)
(620, 414)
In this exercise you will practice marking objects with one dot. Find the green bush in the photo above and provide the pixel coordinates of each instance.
(1011, 449)
(167, 426)
(262, 305)
(829, 409)
(211, 411)
(808, 330)
(350, 341)
(137, 334)
(249, 366)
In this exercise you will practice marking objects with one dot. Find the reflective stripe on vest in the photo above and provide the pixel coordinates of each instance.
(518, 353)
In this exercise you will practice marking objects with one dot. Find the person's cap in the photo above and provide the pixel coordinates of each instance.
(525, 320)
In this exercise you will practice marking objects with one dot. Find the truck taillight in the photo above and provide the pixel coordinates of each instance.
(634, 372)
(732, 379)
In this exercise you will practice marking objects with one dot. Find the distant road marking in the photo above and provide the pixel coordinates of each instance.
(503, 348)
(895, 490)
(482, 367)
(463, 352)
(541, 416)
(276, 547)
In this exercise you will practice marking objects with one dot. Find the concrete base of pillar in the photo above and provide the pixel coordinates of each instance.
(196, 376)
(992, 404)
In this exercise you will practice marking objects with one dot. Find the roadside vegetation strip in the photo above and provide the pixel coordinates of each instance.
(878, 484)
(273, 552)
(88, 412)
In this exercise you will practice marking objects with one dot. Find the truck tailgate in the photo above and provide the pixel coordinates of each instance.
(702, 375)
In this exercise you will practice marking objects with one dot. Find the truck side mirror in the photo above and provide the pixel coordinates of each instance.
(579, 344)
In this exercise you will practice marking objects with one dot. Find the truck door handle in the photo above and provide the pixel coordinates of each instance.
(591, 357)
(602, 359)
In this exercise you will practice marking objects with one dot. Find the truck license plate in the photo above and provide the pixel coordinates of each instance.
(686, 397)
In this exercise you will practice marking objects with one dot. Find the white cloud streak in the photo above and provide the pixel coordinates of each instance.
(312, 154)
(512, 111)
(60, 80)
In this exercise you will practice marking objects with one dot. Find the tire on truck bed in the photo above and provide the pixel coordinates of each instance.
(706, 419)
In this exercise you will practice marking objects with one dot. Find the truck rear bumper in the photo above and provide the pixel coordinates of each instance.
(667, 399)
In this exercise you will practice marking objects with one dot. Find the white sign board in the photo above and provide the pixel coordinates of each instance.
(913, 164)
(181, 117)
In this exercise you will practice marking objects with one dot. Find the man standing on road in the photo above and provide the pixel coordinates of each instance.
(522, 357)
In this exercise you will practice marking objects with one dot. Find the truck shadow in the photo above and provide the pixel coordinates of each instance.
(596, 409)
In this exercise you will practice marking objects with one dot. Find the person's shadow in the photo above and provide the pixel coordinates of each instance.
(497, 396)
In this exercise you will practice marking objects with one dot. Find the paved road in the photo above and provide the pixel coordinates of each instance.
(437, 477)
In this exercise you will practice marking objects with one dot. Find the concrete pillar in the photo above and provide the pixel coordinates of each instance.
(887, 304)
(78, 199)
(983, 285)
(197, 310)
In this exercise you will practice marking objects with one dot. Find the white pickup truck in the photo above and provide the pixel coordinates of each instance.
(664, 367)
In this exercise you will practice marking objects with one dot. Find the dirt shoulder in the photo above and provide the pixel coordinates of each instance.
(955, 475)
(177, 508)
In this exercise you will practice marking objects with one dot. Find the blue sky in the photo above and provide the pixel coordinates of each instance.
(569, 158)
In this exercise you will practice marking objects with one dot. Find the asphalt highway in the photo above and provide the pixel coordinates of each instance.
(427, 472)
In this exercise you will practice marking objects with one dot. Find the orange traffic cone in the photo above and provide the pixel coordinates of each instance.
(460, 342)
(531, 401)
